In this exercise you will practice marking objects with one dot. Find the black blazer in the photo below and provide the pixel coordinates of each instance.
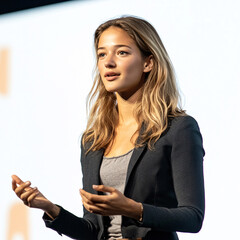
(168, 181)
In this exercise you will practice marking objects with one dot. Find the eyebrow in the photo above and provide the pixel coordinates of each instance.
(116, 46)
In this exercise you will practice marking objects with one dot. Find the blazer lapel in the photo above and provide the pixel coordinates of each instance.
(137, 152)
(95, 160)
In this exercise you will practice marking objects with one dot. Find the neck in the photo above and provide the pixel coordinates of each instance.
(126, 105)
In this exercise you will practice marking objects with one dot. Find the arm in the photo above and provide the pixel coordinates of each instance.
(31, 197)
(187, 173)
(55, 217)
(72, 226)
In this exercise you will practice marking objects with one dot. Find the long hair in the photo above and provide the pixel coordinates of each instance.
(160, 97)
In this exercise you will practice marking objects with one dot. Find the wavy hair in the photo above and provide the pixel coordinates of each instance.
(160, 97)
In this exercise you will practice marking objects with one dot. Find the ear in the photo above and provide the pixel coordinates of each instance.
(148, 64)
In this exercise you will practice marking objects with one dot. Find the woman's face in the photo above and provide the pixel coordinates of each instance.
(120, 63)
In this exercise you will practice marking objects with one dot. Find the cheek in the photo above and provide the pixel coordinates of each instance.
(101, 67)
(134, 70)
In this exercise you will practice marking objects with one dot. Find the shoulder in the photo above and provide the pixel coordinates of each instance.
(184, 134)
(85, 145)
(178, 123)
(184, 128)
(185, 137)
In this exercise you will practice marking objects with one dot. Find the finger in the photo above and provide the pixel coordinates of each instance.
(32, 197)
(96, 207)
(23, 187)
(24, 196)
(85, 204)
(92, 208)
(85, 196)
(100, 209)
(17, 179)
(14, 185)
(89, 196)
(93, 197)
(86, 200)
(103, 188)
(96, 210)
(14, 182)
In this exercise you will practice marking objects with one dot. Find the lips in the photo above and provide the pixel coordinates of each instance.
(110, 76)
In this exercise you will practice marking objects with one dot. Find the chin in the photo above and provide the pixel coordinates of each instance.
(112, 89)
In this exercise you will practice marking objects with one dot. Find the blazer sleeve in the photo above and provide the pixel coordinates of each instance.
(187, 174)
(72, 226)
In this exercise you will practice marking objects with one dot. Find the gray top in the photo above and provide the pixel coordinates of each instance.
(113, 173)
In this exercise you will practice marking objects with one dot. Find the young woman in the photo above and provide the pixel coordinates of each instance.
(141, 155)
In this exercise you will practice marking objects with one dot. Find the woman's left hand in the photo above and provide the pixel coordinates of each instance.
(114, 203)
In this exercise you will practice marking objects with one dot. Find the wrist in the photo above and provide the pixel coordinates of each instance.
(135, 210)
(52, 211)
(141, 213)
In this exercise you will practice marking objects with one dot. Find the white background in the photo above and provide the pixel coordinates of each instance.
(51, 62)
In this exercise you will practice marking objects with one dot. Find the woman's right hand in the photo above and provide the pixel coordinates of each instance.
(31, 197)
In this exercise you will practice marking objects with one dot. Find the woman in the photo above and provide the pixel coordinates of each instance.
(141, 155)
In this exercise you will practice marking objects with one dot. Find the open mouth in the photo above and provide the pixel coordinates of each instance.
(111, 74)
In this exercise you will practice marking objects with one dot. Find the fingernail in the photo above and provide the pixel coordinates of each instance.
(94, 186)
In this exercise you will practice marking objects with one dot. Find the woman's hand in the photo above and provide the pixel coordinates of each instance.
(114, 203)
(31, 197)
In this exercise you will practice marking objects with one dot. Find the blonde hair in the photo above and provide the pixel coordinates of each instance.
(160, 97)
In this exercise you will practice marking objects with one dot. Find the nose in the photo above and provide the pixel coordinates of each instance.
(110, 61)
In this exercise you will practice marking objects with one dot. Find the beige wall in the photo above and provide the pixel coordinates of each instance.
(4, 71)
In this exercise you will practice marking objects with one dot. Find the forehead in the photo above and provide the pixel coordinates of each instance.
(115, 36)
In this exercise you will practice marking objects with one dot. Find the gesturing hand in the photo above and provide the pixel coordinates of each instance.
(31, 197)
(114, 203)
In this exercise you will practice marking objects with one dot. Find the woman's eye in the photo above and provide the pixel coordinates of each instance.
(122, 53)
(100, 55)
